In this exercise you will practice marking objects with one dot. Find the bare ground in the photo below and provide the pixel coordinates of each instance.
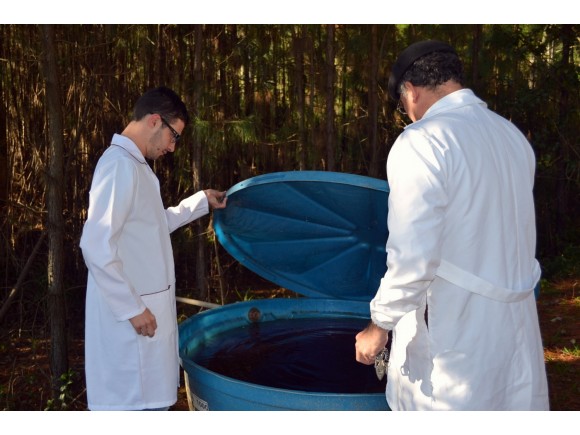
(24, 367)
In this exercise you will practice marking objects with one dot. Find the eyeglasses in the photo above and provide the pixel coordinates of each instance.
(401, 108)
(176, 135)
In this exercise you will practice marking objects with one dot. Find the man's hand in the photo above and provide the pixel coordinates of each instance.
(215, 198)
(369, 342)
(144, 323)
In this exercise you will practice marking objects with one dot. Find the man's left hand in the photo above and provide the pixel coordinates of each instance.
(215, 199)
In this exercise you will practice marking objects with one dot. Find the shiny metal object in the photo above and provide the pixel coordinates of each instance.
(382, 363)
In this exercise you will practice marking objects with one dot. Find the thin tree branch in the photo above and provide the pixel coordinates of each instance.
(25, 270)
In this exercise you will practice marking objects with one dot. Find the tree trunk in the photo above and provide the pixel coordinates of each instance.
(3, 138)
(568, 131)
(330, 73)
(4, 170)
(248, 80)
(373, 103)
(298, 41)
(345, 154)
(223, 53)
(312, 145)
(236, 65)
(200, 270)
(475, 50)
(55, 224)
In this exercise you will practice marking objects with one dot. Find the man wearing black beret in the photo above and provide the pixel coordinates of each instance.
(458, 294)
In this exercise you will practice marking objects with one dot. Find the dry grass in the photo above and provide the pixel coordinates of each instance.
(559, 310)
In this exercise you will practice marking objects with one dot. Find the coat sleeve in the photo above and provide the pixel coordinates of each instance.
(417, 201)
(111, 198)
(188, 210)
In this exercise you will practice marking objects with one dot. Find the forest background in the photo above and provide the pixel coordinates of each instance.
(263, 98)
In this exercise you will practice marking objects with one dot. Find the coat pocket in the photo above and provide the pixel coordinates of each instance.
(158, 354)
(161, 304)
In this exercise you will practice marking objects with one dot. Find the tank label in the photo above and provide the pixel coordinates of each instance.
(199, 404)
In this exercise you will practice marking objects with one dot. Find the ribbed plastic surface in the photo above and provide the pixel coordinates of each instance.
(321, 234)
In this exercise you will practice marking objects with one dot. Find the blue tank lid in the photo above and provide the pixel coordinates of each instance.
(320, 234)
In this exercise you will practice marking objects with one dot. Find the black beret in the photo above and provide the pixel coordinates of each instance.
(410, 55)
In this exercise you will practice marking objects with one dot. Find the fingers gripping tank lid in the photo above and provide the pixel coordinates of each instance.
(408, 56)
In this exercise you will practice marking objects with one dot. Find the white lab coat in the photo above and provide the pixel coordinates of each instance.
(462, 239)
(127, 250)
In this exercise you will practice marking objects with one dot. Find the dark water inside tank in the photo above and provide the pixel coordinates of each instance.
(314, 355)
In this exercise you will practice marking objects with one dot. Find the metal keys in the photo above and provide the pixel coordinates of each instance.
(381, 363)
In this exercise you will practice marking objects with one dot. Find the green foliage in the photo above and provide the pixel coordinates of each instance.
(62, 402)
(257, 99)
(242, 131)
(564, 266)
(247, 295)
(247, 94)
(574, 351)
(246, 120)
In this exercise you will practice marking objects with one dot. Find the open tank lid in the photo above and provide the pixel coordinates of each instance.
(320, 234)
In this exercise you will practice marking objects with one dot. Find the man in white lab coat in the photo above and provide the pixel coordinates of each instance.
(458, 293)
(131, 347)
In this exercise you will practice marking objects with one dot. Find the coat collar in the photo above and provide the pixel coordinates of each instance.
(129, 146)
(460, 98)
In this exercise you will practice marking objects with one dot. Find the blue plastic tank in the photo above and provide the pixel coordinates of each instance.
(320, 234)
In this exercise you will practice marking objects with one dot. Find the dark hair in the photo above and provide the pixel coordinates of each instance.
(434, 69)
(163, 101)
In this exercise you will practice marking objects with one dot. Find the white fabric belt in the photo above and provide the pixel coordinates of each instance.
(475, 284)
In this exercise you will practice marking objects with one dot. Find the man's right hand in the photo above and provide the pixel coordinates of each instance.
(369, 342)
(144, 323)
